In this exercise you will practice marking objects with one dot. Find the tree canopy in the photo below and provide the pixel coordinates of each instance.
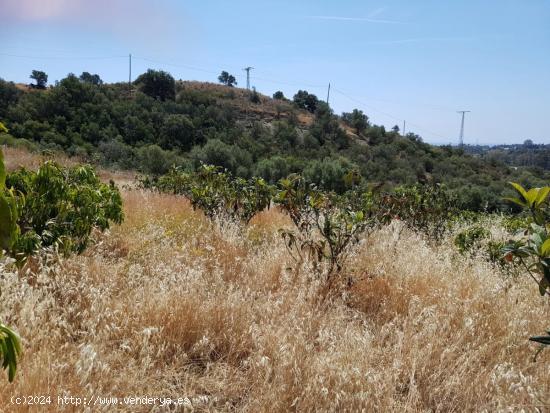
(41, 79)
(87, 77)
(157, 84)
(305, 100)
(227, 79)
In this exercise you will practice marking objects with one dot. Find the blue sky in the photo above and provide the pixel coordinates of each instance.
(418, 61)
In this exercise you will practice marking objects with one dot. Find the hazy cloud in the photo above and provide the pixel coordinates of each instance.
(357, 19)
(376, 12)
(136, 20)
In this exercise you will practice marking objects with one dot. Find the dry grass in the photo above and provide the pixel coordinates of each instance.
(19, 157)
(238, 98)
(169, 305)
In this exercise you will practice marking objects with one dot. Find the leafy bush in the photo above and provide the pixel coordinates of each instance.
(10, 350)
(513, 224)
(60, 207)
(470, 239)
(10, 346)
(157, 84)
(9, 230)
(216, 192)
(533, 249)
(425, 208)
(305, 100)
(327, 225)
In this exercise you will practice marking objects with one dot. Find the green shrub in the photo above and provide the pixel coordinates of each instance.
(326, 225)
(10, 345)
(470, 239)
(533, 249)
(10, 350)
(9, 212)
(60, 207)
(424, 208)
(513, 224)
(216, 192)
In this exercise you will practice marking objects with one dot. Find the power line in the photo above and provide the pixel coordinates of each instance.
(280, 82)
(64, 57)
(421, 128)
(247, 69)
(310, 85)
(199, 69)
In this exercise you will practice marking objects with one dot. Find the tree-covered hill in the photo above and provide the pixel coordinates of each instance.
(159, 122)
(528, 154)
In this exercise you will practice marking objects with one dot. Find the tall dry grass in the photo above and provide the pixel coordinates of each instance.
(169, 305)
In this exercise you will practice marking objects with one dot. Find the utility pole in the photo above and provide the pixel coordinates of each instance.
(328, 92)
(461, 137)
(404, 123)
(130, 70)
(247, 69)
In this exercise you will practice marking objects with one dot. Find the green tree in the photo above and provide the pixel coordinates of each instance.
(177, 131)
(279, 95)
(155, 160)
(157, 84)
(227, 79)
(356, 119)
(41, 79)
(305, 100)
(87, 77)
(9, 95)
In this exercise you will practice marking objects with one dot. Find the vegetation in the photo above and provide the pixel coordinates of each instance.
(279, 95)
(227, 79)
(358, 120)
(216, 192)
(10, 350)
(165, 123)
(305, 100)
(242, 326)
(156, 84)
(10, 345)
(470, 239)
(41, 79)
(87, 77)
(327, 225)
(526, 155)
(240, 313)
(55, 207)
(60, 207)
(532, 250)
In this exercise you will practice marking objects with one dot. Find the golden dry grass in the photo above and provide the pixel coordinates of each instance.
(170, 305)
(19, 157)
(267, 109)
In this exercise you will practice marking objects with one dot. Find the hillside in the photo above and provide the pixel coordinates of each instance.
(157, 125)
(528, 154)
(171, 305)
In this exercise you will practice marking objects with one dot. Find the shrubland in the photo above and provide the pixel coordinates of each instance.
(161, 122)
